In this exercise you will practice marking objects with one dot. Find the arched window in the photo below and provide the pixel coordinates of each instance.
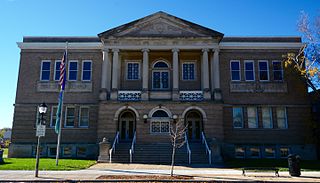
(160, 76)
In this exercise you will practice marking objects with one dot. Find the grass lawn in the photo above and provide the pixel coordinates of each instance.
(282, 164)
(45, 164)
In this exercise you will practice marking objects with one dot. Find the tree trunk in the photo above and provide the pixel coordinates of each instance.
(172, 157)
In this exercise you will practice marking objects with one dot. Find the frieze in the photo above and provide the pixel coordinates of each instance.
(259, 87)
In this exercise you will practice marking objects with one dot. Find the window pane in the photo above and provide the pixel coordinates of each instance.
(263, 71)
(235, 66)
(188, 71)
(165, 127)
(73, 66)
(84, 117)
(239, 152)
(160, 65)
(277, 75)
(156, 80)
(235, 75)
(53, 116)
(86, 71)
(67, 151)
(52, 151)
(81, 151)
(281, 117)
(254, 152)
(263, 66)
(237, 117)
(165, 79)
(284, 152)
(249, 71)
(70, 117)
(269, 152)
(266, 117)
(87, 66)
(73, 70)
(155, 127)
(45, 75)
(252, 117)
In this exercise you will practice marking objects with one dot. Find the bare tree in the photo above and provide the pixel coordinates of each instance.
(177, 134)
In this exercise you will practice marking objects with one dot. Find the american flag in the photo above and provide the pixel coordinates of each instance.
(62, 78)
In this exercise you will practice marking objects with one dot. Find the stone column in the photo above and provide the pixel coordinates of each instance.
(115, 67)
(216, 76)
(205, 74)
(105, 75)
(145, 74)
(175, 88)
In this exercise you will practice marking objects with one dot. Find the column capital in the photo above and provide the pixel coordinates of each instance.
(115, 50)
(205, 49)
(216, 50)
(145, 50)
(175, 50)
(105, 50)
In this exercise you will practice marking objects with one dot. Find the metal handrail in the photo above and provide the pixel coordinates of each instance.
(131, 150)
(208, 150)
(188, 147)
(113, 148)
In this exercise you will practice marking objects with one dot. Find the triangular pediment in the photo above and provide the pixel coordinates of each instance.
(161, 25)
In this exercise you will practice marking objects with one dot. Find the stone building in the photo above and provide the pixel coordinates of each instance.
(134, 81)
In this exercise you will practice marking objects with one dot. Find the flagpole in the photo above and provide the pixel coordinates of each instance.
(61, 112)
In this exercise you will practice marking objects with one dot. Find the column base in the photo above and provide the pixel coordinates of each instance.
(175, 95)
(217, 95)
(103, 94)
(206, 95)
(114, 94)
(145, 95)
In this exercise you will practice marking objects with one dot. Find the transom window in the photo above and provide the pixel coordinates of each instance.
(277, 70)
(235, 70)
(133, 70)
(249, 70)
(73, 70)
(188, 71)
(160, 76)
(86, 70)
(263, 70)
(45, 70)
(57, 70)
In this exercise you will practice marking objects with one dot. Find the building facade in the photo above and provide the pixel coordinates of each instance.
(137, 79)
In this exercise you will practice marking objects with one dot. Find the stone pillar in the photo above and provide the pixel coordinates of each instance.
(175, 88)
(205, 75)
(104, 148)
(145, 75)
(115, 68)
(105, 75)
(216, 76)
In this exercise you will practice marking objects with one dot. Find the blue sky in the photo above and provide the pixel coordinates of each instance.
(20, 18)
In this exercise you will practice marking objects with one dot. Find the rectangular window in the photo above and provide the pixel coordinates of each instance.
(237, 117)
(282, 117)
(160, 80)
(277, 70)
(235, 70)
(86, 70)
(45, 70)
(81, 152)
(252, 117)
(284, 152)
(249, 70)
(263, 70)
(239, 151)
(57, 70)
(84, 117)
(269, 152)
(67, 151)
(133, 70)
(73, 70)
(53, 116)
(70, 117)
(188, 71)
(254, 152)
(267, 117)
(52, 151)
(160, 126)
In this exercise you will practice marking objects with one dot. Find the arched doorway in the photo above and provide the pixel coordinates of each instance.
(160, 122)
(127, 125)
(194, 121)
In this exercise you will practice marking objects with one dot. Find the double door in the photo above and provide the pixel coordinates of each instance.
(126, 129)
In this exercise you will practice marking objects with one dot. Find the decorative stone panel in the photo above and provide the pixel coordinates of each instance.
(129, 95)
(75, 86)
(259, 87)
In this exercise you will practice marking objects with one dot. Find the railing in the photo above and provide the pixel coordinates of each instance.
(129, 95)
(188, 147)
(113, 149)
(131, 151)
(191, 95)
(208, 150)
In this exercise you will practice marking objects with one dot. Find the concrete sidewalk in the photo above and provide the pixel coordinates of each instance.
(206, 174)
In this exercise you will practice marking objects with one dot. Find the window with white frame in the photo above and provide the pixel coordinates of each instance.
(254, 152)
(239, 151)
(73, 70)
(263, 70)
(70, 117)
(133, 70)
(86, 70)
(57, 70)
(282, 117)
(235, 70)
(269, 152)
(252, 117)
(249, 70)
(53, 116)
(45, 70)
(277, 70)
(84, 117)
(266, 117)
(160, 76)
(188, 71)
(237, 117)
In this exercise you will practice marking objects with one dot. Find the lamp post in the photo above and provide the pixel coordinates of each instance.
(41, 127)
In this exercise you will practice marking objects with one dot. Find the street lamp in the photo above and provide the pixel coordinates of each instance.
(41, 128)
